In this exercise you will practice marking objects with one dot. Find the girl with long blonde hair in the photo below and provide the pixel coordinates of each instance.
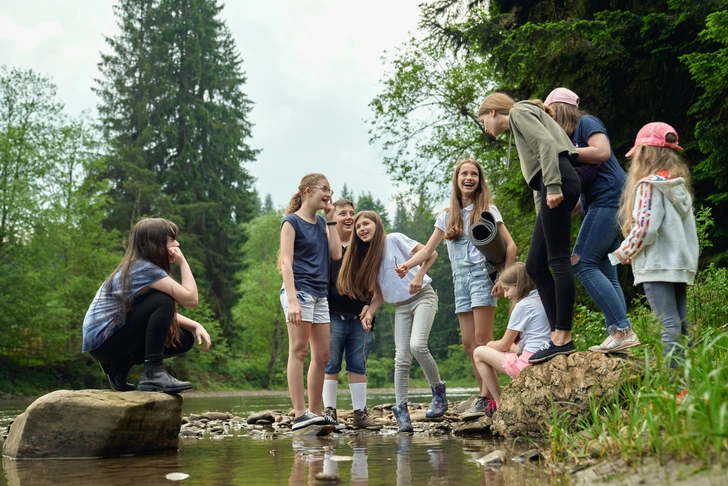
(475, 293)
(368, 274)
(661, 241)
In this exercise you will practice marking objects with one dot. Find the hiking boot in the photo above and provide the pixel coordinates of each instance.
(490, 407)
(438, 407)
(550, 350)
(611, 345)
(331, 418)
(118, 374)
(478, 405)
(307, 418)
(156, 378)
(402, 416)
(363, 420)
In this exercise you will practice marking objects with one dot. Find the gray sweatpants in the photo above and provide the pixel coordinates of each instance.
(412, 324)
(669, 301)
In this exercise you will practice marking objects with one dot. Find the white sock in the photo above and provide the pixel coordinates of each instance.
(330, 387)
(358, 395)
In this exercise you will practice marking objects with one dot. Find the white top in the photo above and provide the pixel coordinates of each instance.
(474, 255)
(398, 248)
(529, 318)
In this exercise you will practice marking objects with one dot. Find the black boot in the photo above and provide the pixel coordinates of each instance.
(118, 373)
(156, 378)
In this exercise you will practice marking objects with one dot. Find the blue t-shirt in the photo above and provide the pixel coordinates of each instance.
(103, 317)
(606, 189)
(310, 255)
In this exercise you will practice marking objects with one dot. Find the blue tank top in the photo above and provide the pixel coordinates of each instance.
(310, 255)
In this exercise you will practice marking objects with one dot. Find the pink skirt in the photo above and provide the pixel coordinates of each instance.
(513, 364)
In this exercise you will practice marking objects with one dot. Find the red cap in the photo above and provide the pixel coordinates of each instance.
(654, 134)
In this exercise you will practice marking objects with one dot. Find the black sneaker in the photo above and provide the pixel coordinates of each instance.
(331, 418)
(307, 418)
(549, 350)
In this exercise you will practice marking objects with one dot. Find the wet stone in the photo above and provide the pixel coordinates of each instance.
(495, 458)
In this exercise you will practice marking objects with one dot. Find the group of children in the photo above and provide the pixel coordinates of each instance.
(339, 267)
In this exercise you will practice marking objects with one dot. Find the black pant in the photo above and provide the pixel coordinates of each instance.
(551, 247)
(143, 335)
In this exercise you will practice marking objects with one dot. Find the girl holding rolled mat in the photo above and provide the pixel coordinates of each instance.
(475, 293)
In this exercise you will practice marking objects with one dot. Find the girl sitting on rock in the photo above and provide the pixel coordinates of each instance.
(528, 329)
(133, 318)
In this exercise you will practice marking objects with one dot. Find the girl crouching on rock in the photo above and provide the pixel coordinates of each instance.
(133, 318)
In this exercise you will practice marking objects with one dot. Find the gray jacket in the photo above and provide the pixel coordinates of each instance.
(669, 250)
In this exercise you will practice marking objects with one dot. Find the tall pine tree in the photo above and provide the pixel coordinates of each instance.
(174, 114)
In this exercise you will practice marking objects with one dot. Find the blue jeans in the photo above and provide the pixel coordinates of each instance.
(599, 235)
(670, 302)
(347, 336)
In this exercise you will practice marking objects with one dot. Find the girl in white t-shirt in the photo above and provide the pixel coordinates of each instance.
(528, 329)
(475, 293)
(368, 274)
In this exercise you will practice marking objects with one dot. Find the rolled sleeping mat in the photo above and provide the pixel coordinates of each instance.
(485, 237)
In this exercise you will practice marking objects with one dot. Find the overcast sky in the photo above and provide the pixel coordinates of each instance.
(312, 68)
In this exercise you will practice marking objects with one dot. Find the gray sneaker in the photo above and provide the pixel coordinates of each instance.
(307, 418)
(331, 418)
(478, 405)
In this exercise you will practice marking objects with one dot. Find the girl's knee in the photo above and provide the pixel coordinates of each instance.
(298, 352)
(321, 357)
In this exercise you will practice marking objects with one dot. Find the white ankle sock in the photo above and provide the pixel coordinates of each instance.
(358, 395)
(330, 387)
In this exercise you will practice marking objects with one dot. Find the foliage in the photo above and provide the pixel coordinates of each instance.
(175, 117)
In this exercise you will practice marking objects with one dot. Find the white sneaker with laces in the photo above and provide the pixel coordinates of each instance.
(611, 345)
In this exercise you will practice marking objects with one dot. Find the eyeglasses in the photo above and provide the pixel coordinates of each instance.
(325, 190)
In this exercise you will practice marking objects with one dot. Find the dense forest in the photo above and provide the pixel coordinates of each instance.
(172, 139)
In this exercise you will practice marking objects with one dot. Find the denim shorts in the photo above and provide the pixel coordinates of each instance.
(348, 337)
(472, 289)
(313, 309)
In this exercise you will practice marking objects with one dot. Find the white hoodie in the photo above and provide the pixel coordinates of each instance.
(663, 243)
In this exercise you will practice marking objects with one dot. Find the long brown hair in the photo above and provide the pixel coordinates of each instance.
(359, 270)
(502, 103)
(515, 275)
(647, 160)
(147, 241)
(297, 199)
(567, 116)
(481, 201)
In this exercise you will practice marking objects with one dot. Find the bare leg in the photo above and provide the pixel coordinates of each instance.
(298, 337)
(319, 340)
(489, 361)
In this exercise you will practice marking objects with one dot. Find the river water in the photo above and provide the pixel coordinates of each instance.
(369, 458)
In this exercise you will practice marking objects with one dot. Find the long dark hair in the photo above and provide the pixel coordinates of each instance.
(359, 270)
(147, 241)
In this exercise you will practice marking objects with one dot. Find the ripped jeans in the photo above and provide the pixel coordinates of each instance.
(599, 235)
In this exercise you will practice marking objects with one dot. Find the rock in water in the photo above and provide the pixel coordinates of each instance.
(569, 382)
(96, 423)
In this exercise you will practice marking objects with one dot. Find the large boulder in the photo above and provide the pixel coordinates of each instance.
(96, 423)
(565, 382)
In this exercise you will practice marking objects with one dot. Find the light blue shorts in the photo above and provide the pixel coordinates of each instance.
(472, 289)
(313, 309)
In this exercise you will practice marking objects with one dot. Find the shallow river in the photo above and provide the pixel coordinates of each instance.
(369, 458)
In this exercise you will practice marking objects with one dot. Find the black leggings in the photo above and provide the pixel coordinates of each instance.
(144, 333)
(551, 247)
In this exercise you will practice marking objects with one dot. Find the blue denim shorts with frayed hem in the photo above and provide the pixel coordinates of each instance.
(472, 289)
(313, 309)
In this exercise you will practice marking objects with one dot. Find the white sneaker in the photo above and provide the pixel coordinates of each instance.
(611, 345)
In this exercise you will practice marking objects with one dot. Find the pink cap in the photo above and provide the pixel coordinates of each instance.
(654, 134)
(562, 95)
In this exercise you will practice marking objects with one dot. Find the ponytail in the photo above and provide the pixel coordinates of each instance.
(295, 203)
(546, 108)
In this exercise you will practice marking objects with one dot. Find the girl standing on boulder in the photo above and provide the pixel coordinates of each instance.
(546, 154)
(599, 234)
(528, 330)
(133, 318)
(307, 242)
(368, 274)
(349, 335)
(659, 225)
(475, 293)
